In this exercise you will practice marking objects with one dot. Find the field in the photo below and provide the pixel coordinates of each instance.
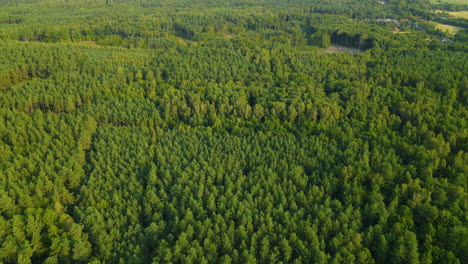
(448, 28)
(458, 14)
(339, 49)
(459, 2)
(461, 14)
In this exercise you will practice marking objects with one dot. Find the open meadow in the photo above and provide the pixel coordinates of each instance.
(448, 28)
(460, 14)
(458, 2)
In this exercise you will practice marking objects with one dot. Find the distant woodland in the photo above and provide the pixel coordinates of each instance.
(210, 131)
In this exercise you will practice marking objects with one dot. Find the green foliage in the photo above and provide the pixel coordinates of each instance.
(219, 132)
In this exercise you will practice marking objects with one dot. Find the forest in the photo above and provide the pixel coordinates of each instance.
(240, 131)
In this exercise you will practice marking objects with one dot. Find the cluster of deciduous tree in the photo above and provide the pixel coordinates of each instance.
(209, 134)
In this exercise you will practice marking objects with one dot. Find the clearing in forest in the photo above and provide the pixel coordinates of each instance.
(459, 2)
(339, 49)
(448, 28)
(459, 14)
(456, 14)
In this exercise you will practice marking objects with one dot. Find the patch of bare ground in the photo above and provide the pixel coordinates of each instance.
(339, 49)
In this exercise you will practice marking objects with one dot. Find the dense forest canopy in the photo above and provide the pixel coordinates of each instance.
(199, 131)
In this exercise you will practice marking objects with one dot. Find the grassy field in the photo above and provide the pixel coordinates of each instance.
(448, 28)
(461, 14)
(339, 49)
(459, 2)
